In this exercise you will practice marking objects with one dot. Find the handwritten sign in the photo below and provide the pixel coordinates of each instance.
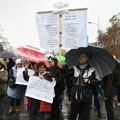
(40, 89)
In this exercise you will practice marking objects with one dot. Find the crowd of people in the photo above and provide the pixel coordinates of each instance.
(79, 81)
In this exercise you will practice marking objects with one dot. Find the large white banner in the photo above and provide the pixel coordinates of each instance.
(40, 89)
(20, 79)
(74, 29)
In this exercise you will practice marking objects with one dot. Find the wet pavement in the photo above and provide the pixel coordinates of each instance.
(23, 115)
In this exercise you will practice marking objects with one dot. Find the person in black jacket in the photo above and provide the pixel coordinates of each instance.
(85, 77)
(108, 97)
(25, 72)
(57, 74)
(69, 73)
(118, 85)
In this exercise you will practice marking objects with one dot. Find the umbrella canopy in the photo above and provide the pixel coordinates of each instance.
(99, 58)
(61, 58)
(32, 54)
(6, 54)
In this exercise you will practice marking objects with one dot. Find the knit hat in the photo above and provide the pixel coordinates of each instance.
(18, 61)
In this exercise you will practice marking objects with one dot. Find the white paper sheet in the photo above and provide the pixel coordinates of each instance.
(40, 89)
(20, 80)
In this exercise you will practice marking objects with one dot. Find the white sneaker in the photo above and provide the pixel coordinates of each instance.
(118, 104)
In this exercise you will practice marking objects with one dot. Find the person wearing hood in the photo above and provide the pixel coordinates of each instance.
(85, 76)
(3, 82)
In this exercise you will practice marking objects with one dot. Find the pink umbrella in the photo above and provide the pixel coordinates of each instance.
(32, 54)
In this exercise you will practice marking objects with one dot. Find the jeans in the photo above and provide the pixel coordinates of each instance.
(96, 99)
(14, 102)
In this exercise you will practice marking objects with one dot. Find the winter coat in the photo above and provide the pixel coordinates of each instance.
(3, 79)
(69, 73)
(19, 90)
(82, 91)
(41, 106)
(107, 85)
(58, 74)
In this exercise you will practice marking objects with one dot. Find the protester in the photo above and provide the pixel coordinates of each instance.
(35, 106)
(57, 73)
(34, 66)
(15, 93)
(82, 90)
(3, 82)
(118, 87)
(9, 63)
(97, 101)
(62, 72)
(108, 97)
(25, 71)
(69, 73)
(6, 61)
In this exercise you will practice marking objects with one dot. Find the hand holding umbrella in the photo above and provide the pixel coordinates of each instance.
(99, 58)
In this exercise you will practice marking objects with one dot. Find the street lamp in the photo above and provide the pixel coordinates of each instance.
(98, 25)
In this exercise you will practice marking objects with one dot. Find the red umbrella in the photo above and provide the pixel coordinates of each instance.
(32, 54)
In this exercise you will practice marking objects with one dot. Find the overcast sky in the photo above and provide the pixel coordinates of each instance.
(17, 17)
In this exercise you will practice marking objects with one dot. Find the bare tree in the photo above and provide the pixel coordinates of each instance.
(3, 41)
(110, 39)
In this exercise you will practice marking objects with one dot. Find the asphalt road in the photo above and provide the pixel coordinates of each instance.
(23, 115)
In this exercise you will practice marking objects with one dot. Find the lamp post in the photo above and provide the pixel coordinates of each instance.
(98, 29)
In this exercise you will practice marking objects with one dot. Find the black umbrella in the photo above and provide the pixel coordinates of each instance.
(6, 54)
(102, 60)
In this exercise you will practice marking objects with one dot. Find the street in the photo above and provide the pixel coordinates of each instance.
(23, 115)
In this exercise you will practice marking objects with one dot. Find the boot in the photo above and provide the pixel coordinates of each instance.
(11, 110)
(17, 109)
(99, 114)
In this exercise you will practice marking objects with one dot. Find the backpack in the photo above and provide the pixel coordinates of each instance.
(116, 75)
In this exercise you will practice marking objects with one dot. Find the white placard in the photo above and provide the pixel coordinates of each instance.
(74, 29)
(19, 79)
(40, 89)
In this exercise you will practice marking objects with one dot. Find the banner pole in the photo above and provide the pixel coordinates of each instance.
(60, 35)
